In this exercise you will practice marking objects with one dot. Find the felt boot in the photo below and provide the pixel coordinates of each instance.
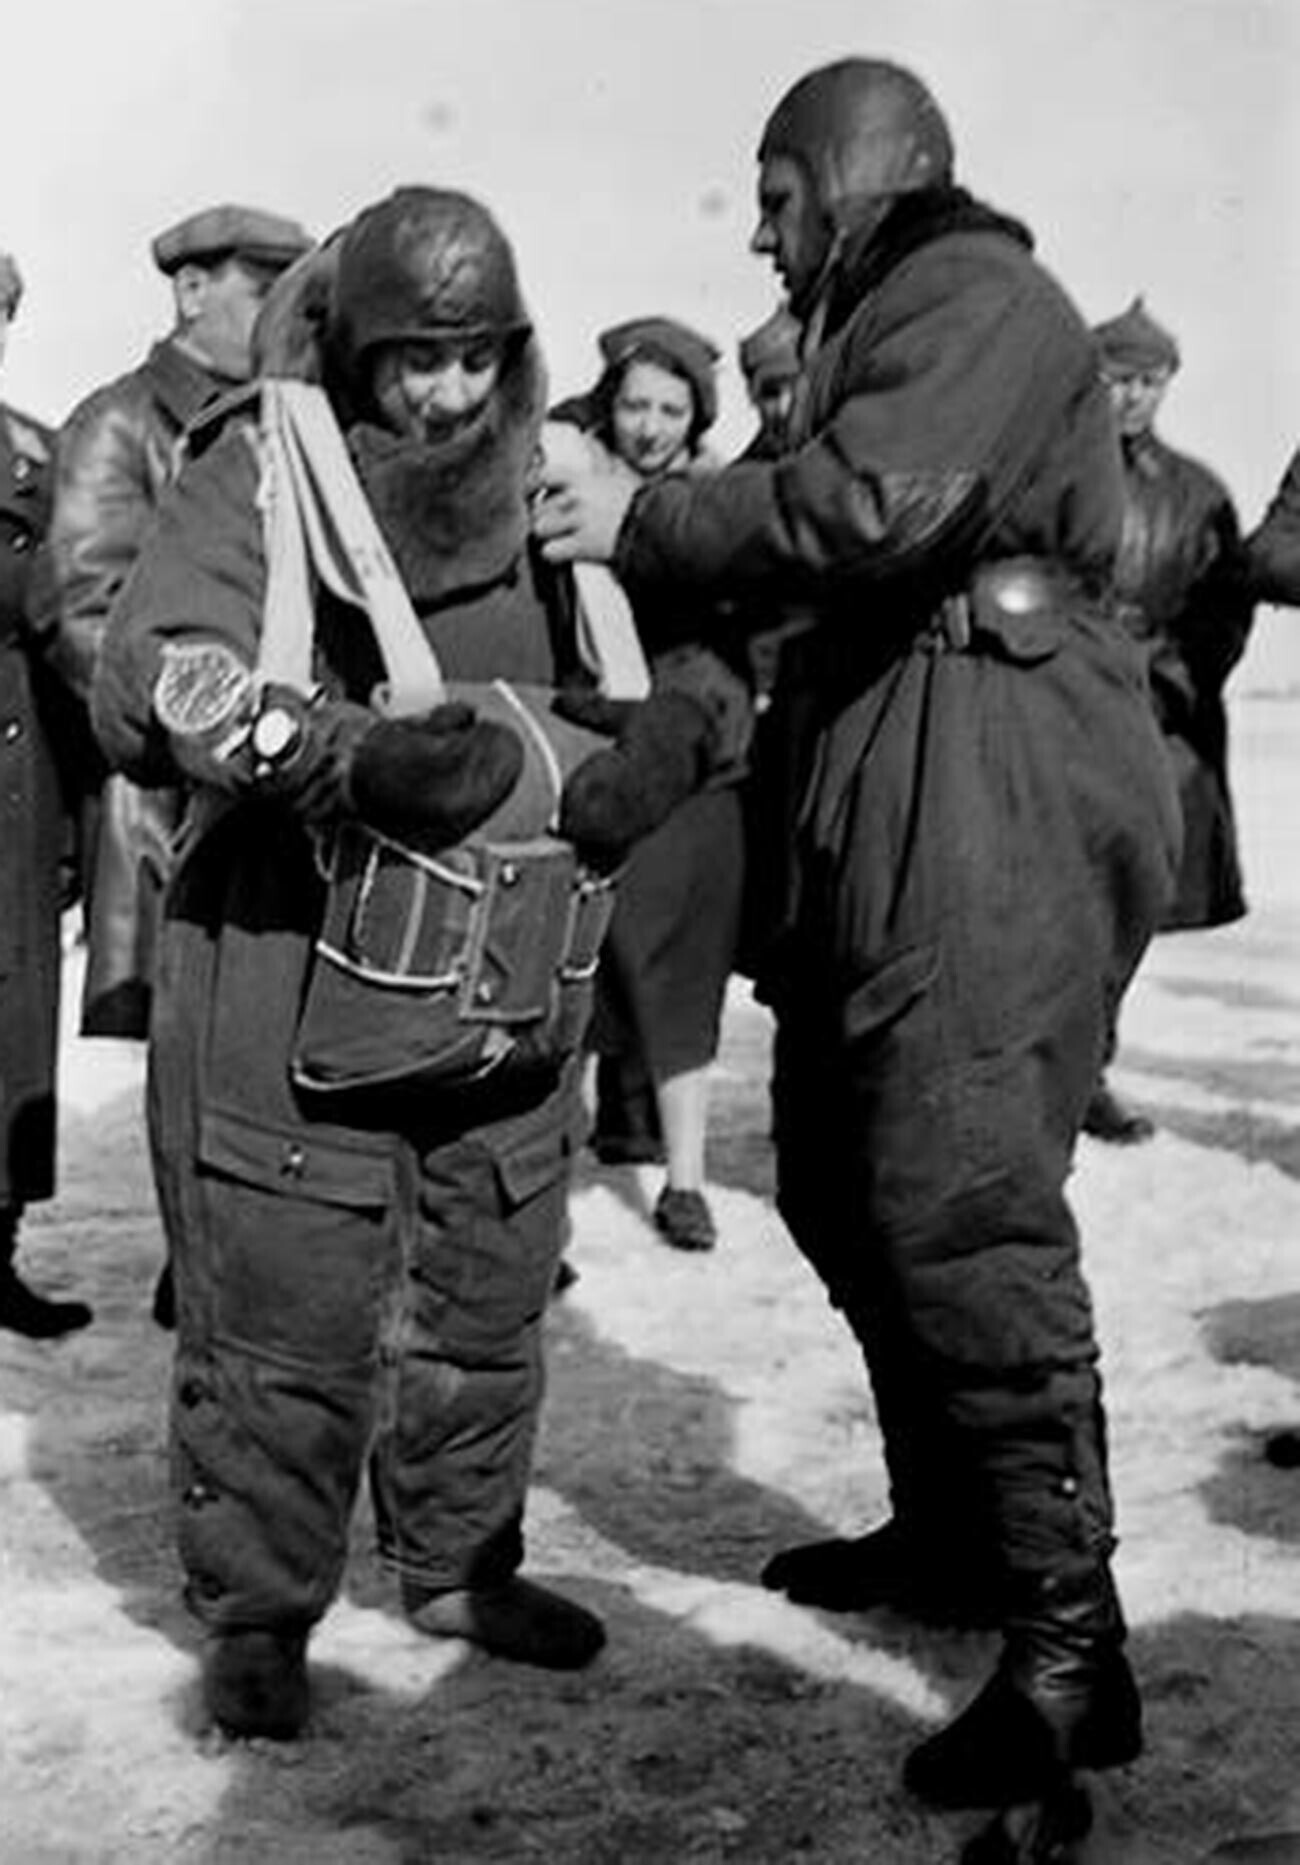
(1107, 1118)
(518, 1620)
(255, 1682)
(886, 1567)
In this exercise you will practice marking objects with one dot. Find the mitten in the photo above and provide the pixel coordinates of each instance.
(429, 781)
(662, 753)
(729, 700)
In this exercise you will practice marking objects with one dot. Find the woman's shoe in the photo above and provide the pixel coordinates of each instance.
(684, 1220)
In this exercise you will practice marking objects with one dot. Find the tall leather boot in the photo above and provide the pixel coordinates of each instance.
(1062, 1697)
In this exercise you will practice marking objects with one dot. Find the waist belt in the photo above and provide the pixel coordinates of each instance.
(1016, 607)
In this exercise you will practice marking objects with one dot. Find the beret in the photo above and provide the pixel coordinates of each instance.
(675, 346)
(1135, 341)
(249, 231)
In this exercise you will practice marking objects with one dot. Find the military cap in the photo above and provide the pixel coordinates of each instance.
(1135, 342)
(673, 346)
(11, 284)
(772, 349)
(217, 231)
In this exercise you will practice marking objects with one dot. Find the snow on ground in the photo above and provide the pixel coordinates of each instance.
(702, 1412)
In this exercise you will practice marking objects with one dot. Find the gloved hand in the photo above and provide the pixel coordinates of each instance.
(429, 781)
(664, 748)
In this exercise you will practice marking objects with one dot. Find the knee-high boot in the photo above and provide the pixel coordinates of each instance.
(1062, 1696)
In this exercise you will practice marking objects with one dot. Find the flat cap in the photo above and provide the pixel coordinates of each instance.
(248, 231)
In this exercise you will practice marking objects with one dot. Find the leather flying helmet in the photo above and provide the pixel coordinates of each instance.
(864, 130)
(424, 262)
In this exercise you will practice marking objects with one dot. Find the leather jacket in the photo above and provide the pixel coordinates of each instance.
(118, 452)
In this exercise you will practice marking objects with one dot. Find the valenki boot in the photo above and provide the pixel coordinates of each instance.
(255, 1682)
(1062, 1697)
(517, 1619)
(886, 1567)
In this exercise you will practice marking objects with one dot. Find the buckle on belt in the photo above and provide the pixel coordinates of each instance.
(949, 629)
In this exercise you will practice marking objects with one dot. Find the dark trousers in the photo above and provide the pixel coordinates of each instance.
(988, 851)
(390, 1311)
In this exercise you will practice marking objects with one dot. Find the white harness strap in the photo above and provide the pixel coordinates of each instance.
(319, 525)
(320, 529)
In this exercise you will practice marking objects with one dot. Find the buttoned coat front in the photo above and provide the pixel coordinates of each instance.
(31, 830)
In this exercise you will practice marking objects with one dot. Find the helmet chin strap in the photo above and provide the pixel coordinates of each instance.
(850, 220)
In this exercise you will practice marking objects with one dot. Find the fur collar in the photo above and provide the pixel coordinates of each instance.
(455, 513)
(913, 221)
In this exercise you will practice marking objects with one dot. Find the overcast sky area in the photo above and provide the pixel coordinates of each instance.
(1151, 145)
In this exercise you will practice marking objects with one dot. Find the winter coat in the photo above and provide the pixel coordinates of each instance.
(118, 453)
(31, 832)
(976, 797)
(246, 900)
(1272, 551)
(1179, 594)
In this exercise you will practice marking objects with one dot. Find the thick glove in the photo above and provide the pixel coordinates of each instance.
(664, 748)
(430, 781)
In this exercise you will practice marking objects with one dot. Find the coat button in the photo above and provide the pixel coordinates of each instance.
(198, 1495)
(294, 1162)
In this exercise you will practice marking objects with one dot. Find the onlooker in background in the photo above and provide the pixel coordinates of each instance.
(117, 453)
(664, 970)
(31, 839)
(1272, 551)
(1179, 592)
(769, 362)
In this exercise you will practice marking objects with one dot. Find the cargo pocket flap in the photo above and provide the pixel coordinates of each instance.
(296, 1162)
(886, 994)
(531, 1150)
